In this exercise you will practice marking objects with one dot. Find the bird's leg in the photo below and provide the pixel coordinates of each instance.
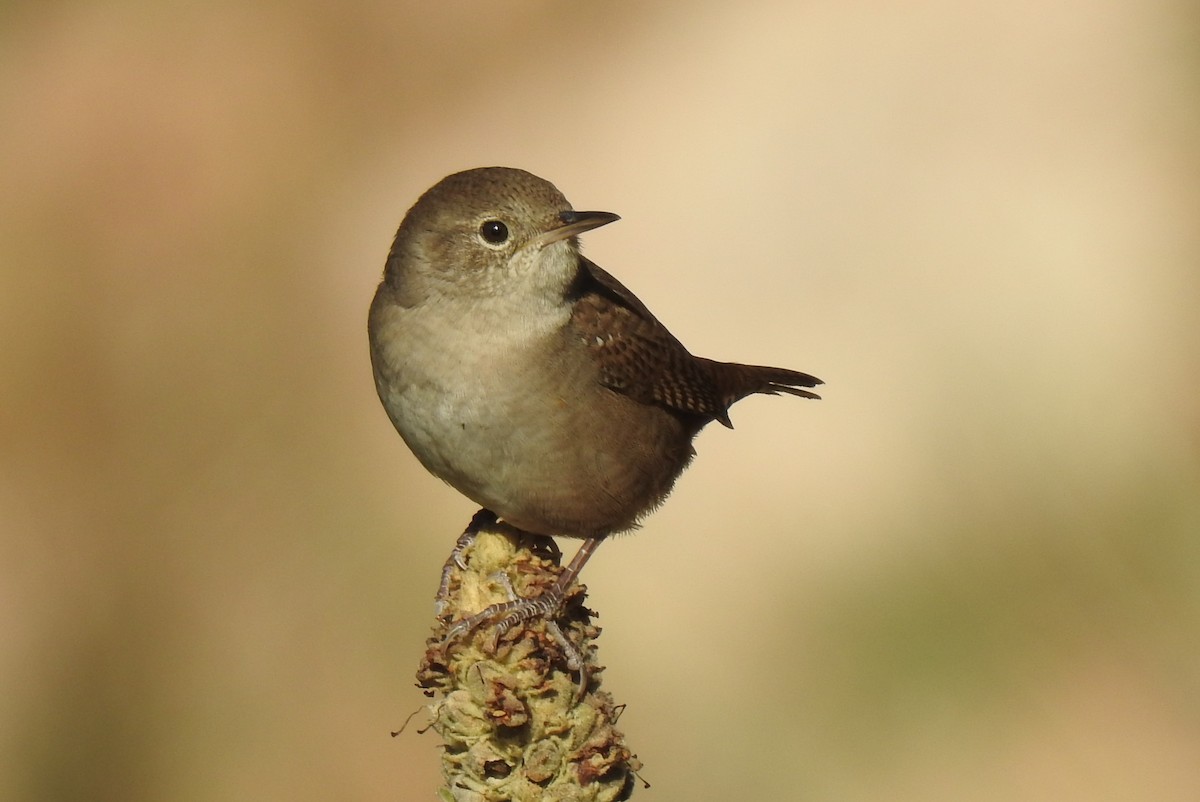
(517, 611)
(480, 520)
(549, 603)
(575, 660)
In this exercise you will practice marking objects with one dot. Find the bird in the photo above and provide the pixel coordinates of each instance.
(530, 379)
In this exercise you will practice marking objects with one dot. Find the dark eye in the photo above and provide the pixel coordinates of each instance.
(494, 231)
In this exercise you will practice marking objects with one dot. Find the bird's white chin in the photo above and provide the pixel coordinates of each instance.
(549, 269)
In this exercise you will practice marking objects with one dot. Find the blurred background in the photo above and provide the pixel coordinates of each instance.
(972, 571)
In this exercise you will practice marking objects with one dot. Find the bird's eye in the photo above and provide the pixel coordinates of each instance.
(494, 232)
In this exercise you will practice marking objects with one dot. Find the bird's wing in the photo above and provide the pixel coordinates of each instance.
(636, 354)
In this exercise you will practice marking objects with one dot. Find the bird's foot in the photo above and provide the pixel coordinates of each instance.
(480, 520)
(514, 612)
(553, 595)
(504, 616)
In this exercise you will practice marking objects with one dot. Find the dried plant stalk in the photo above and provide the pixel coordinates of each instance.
(515, 722)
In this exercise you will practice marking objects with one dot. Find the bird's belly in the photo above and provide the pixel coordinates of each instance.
(565, 457)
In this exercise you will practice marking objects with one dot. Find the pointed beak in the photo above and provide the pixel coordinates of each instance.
(574, 223)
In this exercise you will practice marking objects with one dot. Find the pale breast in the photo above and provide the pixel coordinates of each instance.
(513, 415)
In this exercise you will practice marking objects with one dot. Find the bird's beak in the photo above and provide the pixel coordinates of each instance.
(574, 223)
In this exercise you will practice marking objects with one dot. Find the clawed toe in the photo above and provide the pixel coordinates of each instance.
(505, 616)
(552, 603)
(479, 521)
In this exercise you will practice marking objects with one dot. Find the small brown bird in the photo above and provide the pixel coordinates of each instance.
(530, 379)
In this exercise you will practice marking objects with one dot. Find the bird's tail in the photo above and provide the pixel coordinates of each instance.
(736, 381)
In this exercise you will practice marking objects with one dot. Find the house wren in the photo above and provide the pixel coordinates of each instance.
(530, 379)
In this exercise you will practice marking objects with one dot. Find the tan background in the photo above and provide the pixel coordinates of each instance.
(971, 572)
